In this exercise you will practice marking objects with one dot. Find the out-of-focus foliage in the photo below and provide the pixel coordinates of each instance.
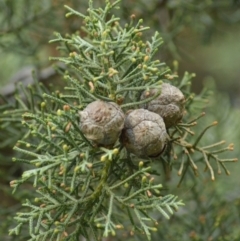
(27, 26)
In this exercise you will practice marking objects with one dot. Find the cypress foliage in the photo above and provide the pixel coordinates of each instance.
(77, 189)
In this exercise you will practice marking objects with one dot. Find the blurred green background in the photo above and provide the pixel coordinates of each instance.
(203, 36)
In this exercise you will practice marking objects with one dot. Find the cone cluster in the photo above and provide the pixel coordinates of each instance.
(142, 131)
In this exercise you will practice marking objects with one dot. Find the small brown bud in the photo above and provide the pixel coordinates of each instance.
(66, 107)
(68, 127)
(133, 16)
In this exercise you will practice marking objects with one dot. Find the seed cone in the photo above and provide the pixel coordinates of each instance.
(144, 133)
(169, 104)
(102, 122)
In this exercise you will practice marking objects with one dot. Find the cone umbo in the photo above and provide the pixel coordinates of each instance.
(169, 104)
(144, 133)
(102, 122)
